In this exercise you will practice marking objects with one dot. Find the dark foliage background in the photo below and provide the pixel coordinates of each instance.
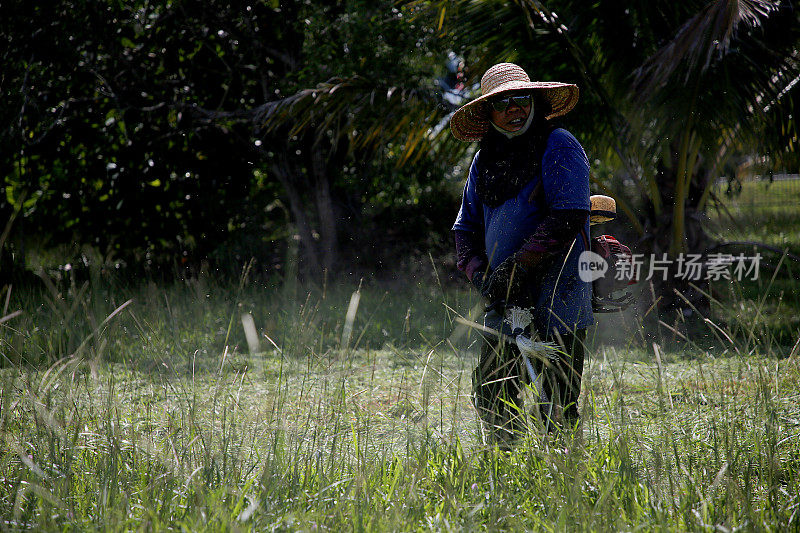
(137, 129)
(184, 135)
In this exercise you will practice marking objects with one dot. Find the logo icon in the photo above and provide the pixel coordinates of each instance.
(591, 266)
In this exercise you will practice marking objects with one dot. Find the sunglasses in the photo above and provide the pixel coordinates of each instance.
(501, 104)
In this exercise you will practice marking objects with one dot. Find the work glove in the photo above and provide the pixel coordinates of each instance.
(507, 282)
(480, 277)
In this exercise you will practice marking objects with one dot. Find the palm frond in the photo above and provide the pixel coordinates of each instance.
(704, 36)
(734, 92)
(367, 112)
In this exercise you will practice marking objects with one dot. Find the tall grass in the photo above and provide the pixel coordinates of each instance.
(158, 418)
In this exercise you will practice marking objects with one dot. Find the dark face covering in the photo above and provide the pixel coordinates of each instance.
(506, 165)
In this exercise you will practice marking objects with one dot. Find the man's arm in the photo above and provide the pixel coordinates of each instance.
(470, 253)
(468, 231)
(553, 235)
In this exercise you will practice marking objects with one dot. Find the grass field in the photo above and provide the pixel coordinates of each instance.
(147, 407)
(763, 212)
(159, 418)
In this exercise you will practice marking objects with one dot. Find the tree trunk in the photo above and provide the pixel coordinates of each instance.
(679, 232)
(311, 203)
(291, 186)
(325, 209)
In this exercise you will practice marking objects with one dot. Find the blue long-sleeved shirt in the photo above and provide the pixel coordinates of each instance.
(563, 301)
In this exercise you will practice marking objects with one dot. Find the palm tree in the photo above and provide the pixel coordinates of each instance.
(670, 91)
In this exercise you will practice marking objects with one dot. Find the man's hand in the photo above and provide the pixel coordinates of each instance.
(507, 282)
(480, 278)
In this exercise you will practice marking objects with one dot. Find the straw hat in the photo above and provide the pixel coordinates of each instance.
(471, 121)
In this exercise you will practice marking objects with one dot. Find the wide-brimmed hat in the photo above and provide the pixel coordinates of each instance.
(471, 121)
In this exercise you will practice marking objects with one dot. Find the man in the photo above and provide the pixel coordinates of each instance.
(523, 222)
